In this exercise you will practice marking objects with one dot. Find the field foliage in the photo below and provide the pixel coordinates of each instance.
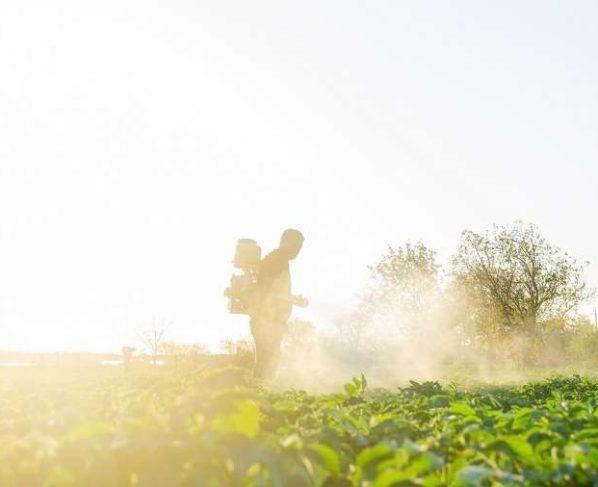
(154, 426)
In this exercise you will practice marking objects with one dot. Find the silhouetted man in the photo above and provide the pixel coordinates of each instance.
(274, 302)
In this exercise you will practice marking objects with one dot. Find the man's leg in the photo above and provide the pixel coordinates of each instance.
(267, 338)
(273, 350)
(260, 364)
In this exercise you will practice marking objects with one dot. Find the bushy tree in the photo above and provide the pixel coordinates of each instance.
(583, 344)
(407, 277)
(403, 290)
(527, 281)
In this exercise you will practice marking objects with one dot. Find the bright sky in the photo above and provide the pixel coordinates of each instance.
(140, 139)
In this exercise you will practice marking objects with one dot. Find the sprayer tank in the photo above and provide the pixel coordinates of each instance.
(247, 254)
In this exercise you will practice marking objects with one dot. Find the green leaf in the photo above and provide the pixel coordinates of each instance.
(460, 407)
(473, 476)
(351, 389)
(364, 383)
(425, 463)
(455, 468)
(388, 478)
(328, 456)
(374, 453)
(245, 421)
(518, 445)
(433, 480)
(357, 387)
(521, 418)
(586, 433)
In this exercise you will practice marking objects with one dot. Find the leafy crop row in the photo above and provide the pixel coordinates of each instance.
(220, 428)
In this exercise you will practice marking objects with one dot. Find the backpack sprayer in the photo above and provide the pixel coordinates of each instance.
(240, 292)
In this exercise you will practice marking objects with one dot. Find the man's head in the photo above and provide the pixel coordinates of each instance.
(291, 242)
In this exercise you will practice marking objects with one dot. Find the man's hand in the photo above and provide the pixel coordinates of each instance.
(300, 301)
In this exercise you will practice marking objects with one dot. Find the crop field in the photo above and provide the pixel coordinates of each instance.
(103, 426)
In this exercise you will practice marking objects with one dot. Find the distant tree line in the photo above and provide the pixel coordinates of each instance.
(507, 293)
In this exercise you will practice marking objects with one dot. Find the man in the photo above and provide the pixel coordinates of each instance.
(274, 302)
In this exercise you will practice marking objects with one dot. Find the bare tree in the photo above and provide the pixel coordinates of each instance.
(152, 339)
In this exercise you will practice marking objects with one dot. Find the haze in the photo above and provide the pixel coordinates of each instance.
(138, 141)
